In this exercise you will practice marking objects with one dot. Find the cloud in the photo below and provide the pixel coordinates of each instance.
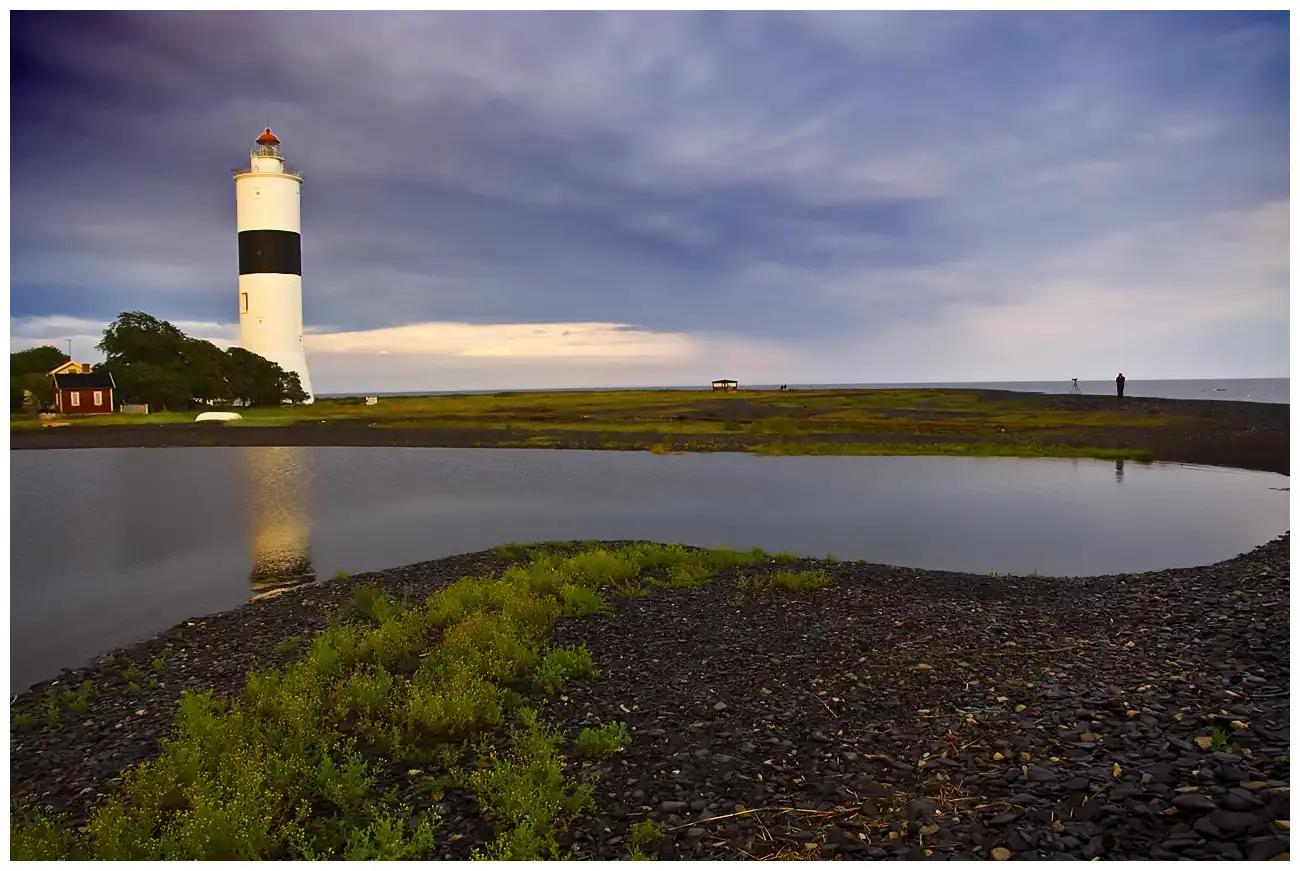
(541, 341)
(793, 183)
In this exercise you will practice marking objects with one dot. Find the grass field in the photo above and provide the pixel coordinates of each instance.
(890, 421)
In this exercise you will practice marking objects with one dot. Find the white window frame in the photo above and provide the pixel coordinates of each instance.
(76, 399)
(243, 303)
(99, 397)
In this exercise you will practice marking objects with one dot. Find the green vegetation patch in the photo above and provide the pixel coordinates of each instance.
(602, 742)
(290, 767)
(784, 580)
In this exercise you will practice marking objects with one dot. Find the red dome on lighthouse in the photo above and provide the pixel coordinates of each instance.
(268, 138)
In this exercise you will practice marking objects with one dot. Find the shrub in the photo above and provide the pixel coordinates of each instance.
(784, 557)
(685, 575)
(60, 698)
(288, 645)
(531, 614)
(560, 664)
(511, 550)
(645, 834)
(372, 603)
(814, 579)
(78, 700)
(720, 558)
(649, 556)
(630, 590)
(363, 694)
(601, 742)
(159, 662)
(488, 645)
(35, 836)
(450, 705)
(526, 789)
(581, 601)
(600, 567)
(388, 837)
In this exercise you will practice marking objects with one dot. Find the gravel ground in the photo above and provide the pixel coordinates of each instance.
(895, 714)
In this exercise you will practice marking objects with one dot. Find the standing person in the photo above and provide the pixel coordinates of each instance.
(1119, 385)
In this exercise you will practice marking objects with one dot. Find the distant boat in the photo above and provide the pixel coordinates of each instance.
(218, 415)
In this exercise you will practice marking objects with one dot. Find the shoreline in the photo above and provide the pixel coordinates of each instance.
(1236, 434)
(851, 728)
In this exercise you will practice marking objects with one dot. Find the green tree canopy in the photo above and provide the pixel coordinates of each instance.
(206, 367)
(36, 360)
(153, 361)
(256, 380)
(137, 337)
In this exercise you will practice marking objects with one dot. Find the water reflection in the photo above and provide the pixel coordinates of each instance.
(160, 534)
(278, 483)
(1119, 471)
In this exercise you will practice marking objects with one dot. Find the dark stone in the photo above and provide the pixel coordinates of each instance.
(1038, 774)
(920, 809)
(1194, 802)
(1266, 848)
(1238, 799)
(1235, 822)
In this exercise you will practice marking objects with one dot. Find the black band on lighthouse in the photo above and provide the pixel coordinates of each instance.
(270, 251)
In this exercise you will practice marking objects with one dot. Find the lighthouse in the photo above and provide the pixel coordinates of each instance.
(267, 209)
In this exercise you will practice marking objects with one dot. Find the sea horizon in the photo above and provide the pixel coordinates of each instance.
(1272, 390)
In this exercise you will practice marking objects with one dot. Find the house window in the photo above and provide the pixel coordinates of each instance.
(76, 399)
(243, 303)
(99, 397)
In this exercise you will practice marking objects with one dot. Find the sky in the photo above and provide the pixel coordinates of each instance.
(528, 200)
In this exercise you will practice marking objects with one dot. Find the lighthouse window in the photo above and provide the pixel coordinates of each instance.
(243, 303)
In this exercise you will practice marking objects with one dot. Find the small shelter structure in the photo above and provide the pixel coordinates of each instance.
(84, 393)
(726, 384)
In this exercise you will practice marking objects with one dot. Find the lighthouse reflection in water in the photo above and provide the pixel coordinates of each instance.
(278, 484)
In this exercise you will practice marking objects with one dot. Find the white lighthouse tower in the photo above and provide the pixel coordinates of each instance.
(267, 198)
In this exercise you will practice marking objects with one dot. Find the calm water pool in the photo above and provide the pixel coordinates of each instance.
(111, 546)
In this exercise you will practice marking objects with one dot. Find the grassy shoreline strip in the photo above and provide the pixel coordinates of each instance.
(294, 765)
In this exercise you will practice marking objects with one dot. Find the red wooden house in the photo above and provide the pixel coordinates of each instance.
(89, 393)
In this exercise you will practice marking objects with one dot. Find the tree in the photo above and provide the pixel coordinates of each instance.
(40, 386)
(162, 387)
(152, 361)
(36, 360)
(206, 370)
(291, 388)
(137, 337)
(257, 381)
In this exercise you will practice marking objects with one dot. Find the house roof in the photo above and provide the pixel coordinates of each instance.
(98, 379)
(67, 365)
(725, 381)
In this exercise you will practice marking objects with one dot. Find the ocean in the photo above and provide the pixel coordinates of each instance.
(1242, 389)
